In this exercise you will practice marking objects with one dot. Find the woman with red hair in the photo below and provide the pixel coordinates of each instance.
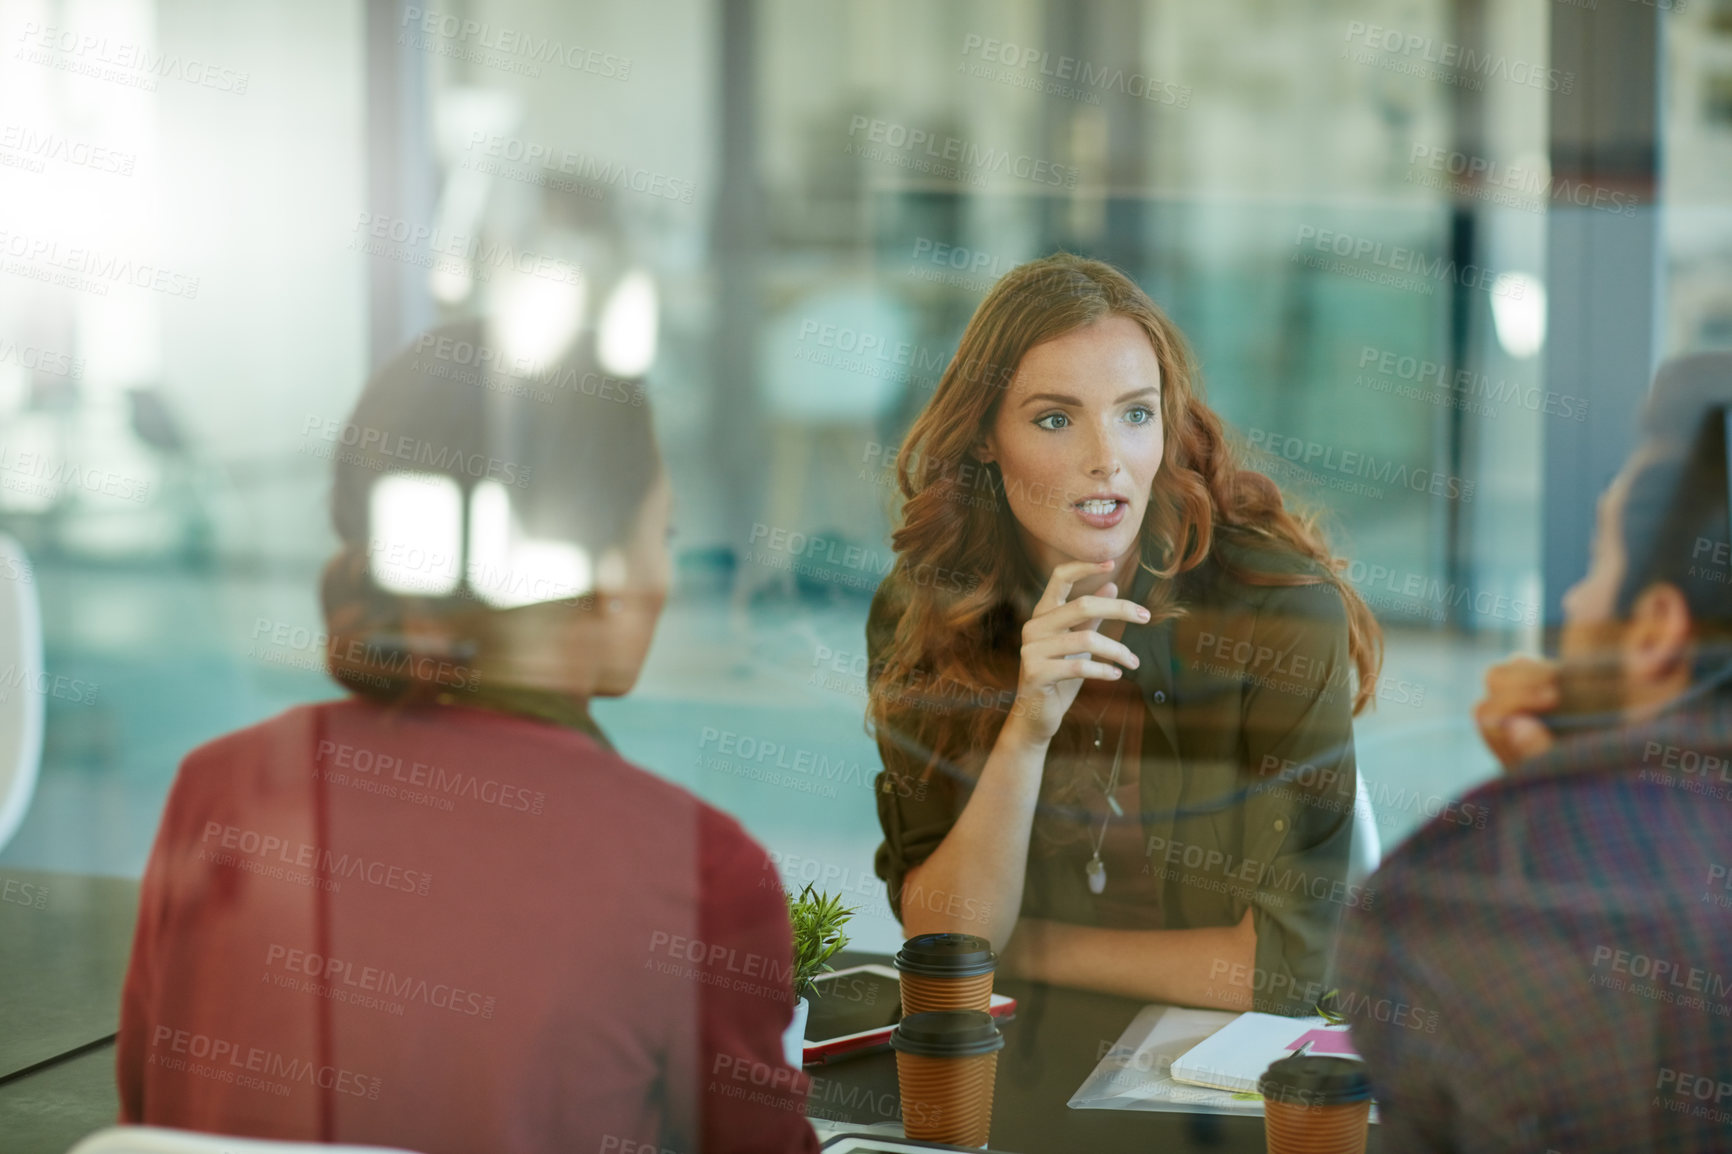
(1113, 675)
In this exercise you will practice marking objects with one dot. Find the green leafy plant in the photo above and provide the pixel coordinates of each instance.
(817, 920)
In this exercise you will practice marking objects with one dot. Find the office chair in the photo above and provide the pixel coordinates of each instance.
(22, 692)
(1367, 852)
(162, 1140)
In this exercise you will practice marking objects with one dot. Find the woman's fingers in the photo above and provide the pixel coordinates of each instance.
(1058, 586)
(1107, 591)
(1062, 648)
(1074, 614)
(1077, 643)
(1071, 668)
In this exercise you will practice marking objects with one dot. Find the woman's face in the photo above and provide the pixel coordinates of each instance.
(1078, 440)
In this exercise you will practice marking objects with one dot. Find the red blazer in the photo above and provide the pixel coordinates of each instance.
(449, 929)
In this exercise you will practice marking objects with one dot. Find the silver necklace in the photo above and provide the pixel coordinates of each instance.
(1096, 869)
(1100, 733)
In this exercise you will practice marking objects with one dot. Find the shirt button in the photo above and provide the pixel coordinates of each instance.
(1280, 824)
(1160, 695)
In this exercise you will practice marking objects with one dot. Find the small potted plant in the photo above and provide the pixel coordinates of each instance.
(817, 920)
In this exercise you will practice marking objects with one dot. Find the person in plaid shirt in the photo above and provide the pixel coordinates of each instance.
(1560, 979)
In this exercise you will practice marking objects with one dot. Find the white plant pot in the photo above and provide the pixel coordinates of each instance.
(794, 1037)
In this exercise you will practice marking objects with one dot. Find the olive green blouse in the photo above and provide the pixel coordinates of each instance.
(1251, 681)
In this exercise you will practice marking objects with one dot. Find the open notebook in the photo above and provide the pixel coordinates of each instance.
(1234, 1057)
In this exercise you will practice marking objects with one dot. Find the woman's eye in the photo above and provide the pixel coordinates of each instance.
(1059, 417)
(1140, 415)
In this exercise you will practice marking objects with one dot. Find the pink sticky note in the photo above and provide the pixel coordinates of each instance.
(1336, 1042)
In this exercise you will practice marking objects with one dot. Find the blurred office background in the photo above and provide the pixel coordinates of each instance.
(219, 218)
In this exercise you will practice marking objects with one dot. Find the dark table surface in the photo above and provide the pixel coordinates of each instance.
(63, 948)
(64, 941)
(1056, 1039)
(49, 1109)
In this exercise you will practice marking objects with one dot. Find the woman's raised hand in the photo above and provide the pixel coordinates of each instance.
(1062, 644)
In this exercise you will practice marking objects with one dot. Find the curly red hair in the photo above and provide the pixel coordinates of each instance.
(947, 646)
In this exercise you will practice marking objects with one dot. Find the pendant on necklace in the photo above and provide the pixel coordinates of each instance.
(1097, 872)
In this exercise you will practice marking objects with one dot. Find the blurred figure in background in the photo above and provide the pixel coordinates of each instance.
(441, 913)
(1567, 968)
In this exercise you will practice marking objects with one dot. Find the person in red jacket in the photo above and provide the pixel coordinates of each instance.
(442, 913)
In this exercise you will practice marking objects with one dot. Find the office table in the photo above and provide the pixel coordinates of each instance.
(63, 961)
(49, 1109)
(1055, 1040)
(64, 941)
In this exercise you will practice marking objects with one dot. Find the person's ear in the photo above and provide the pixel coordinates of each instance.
(984, 450)
(1657, 643)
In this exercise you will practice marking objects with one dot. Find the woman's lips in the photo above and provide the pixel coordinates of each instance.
(1101, 520)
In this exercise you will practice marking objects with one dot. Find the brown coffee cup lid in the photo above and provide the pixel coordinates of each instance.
(946, 956)
(947, 1034)
(1315, 1080)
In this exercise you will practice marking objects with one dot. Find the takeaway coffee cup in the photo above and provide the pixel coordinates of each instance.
(946, 972)
(1313, 1104)
(946, 1062)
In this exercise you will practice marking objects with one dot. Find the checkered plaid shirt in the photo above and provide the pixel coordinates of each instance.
(1548, 966)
